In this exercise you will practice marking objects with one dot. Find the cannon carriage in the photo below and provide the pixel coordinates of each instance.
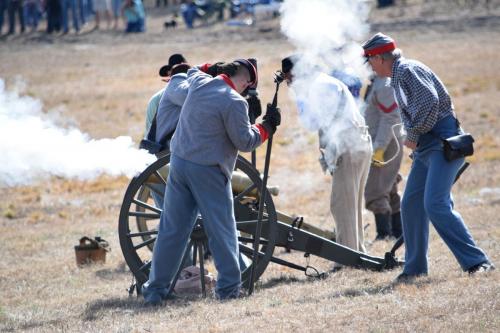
(142, 206)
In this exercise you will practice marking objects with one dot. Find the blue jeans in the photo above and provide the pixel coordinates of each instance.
(116, 6)
(189, 14)
(3, 8)
(427, 197)
(31, 15)
(66, 5)
(136, 26)
(53, 8)
(15, 7)
(191, 188)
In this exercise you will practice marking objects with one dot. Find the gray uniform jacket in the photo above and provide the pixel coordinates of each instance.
(170, 106)
(381, 113)
(213, 124)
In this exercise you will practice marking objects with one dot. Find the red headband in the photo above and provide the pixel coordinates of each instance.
(380, 49)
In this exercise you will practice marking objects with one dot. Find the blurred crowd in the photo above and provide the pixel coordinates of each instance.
(220, 10)
(61, 16)
(65, 16)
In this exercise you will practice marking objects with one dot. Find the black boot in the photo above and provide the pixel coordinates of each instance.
(397, 229)
(383, 224)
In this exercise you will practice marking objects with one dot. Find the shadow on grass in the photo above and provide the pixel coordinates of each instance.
(128, 306)
(282, 280)
(384, 288)
(355, 292)
(15, 326)
(110, 274)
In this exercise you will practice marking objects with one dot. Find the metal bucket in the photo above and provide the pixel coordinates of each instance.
(91, 251)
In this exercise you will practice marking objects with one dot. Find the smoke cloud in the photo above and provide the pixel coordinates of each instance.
(325, 34)
(32, 147)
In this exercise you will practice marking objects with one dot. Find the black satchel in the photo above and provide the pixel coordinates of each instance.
(149, 143)
(458, 146)
(151, 146)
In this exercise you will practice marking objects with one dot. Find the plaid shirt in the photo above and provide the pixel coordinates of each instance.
(421, 96)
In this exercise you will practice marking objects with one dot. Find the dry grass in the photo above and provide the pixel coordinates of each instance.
(102, 84)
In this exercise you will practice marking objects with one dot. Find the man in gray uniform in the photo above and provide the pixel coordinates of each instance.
(165, 72)
(213, 126)
(381, 192)
(170, 105)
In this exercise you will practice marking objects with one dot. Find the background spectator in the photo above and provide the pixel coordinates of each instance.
(32, 12)
(3, 8)
(102, 7)
(15, 7)
(53, 9)
(116, 6)
(133, 12)
(188, 11)
(65, 6)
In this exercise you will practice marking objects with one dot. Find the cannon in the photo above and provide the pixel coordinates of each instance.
(261, 227)
(140, 214)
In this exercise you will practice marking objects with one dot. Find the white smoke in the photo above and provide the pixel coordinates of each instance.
(32, 147)
(326, 34)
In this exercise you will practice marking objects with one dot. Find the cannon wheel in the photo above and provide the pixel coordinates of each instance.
(140, 216)
(144, 195)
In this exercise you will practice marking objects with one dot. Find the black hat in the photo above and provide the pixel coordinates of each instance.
(248, 64)
(174, 59)
(287, 63)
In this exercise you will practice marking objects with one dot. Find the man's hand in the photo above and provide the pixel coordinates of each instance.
(272, 119)
(378, 158)
(410, 144)
(228, 68)
(322, 162)
(254, 108)
(213, 70)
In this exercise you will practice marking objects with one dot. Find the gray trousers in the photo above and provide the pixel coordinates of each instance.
(346, 204)
(381, 193)
(193, 188)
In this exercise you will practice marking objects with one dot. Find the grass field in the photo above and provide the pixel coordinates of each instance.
(101, 82)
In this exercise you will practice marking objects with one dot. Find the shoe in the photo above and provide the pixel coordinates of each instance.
(481, 268)
(153, 301)
(240, 293)
(405, 278)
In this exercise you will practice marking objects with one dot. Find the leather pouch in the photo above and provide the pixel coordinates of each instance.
(458, 146)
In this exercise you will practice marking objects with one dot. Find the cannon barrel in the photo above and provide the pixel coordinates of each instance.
(291, 220)
(239, 182)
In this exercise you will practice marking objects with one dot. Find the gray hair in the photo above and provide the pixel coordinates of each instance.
(392, 55)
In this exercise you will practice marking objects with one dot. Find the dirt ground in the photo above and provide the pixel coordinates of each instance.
(101, 82)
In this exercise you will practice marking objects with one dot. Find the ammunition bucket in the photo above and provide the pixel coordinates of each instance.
(91, 251)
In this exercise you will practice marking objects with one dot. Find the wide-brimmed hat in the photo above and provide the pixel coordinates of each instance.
(174, 59)
(180, 68)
